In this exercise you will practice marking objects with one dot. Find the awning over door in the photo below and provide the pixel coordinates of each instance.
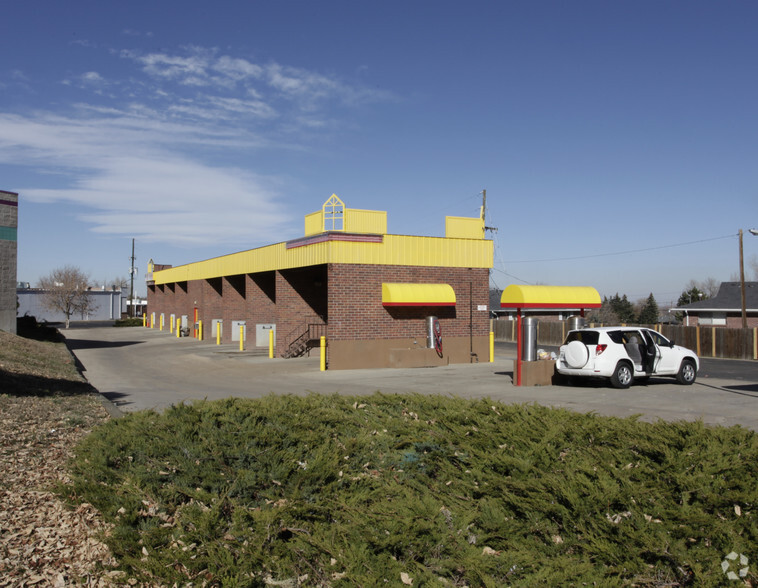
(520, 297)
(417, 295)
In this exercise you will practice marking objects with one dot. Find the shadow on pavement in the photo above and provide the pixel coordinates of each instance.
(116, 398)
(749, 390)
(94, 344)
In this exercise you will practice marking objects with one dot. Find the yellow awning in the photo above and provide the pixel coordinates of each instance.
(515, 296)
(418, 295)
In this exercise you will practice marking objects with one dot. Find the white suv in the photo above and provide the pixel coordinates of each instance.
(625, 353)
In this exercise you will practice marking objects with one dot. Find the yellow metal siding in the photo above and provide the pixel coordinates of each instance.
(459, 227)
(365, 221)
(314, 223)
(394, 250)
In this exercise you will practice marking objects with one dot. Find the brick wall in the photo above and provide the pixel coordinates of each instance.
(356, 311)
(8, 259)
(301, 298)
(347, 297)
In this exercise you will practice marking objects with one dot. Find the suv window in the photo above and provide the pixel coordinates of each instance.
(617, 337)
(586, 337)
(659, 339)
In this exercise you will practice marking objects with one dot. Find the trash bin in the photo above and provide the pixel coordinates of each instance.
(576, 322)
(529, 339)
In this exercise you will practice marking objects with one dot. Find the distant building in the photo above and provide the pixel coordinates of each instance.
(140, 307)
(724, 309)
(108, 305)
(8, 259)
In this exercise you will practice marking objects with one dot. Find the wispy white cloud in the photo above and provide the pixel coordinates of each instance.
(118, 165)
(141, 159)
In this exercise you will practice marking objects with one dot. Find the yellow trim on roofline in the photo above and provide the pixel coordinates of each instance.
(391, 250)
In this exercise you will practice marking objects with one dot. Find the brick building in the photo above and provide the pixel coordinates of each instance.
(368, 292)
(8, 259)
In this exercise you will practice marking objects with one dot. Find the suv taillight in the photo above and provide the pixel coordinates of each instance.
(600, 348)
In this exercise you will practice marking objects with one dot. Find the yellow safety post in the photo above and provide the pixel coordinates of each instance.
(242, 337)
(200, 330)
(171, 322)
(144, 320)
(271, 344)
(161, 323)
(322, 366)
(178, 327)
(218, 333)
(492, 347)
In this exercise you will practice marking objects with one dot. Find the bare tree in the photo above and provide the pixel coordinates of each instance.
(66, 291)
(708, 287)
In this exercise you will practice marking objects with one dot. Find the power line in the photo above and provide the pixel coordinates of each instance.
(611, 254)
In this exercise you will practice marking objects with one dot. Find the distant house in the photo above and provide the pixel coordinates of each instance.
(724, 309)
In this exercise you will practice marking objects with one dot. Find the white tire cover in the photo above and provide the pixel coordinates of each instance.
(576, 354)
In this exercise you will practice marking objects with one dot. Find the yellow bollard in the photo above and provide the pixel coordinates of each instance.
(171, 328)
(242, 337)
(271, 344)
(492, 347)
(218, 333)
(161, 322)
(144, 320)
(200, 330)
(178, 327)
(322, 365)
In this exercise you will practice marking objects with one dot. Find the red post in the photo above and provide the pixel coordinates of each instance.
(519, 343)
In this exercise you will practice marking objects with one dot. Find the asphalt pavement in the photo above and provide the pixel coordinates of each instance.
(138, 368)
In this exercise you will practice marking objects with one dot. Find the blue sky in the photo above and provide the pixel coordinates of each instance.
(617, 141)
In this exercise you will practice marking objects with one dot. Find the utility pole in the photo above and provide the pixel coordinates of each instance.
(484, 208)
(742, 285)
(132, 269)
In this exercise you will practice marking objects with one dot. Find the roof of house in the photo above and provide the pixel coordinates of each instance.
(728, 298)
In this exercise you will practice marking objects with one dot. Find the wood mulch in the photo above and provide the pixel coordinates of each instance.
(46, 408)
(45, 542)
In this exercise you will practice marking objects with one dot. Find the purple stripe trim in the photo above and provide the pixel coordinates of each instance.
(9, 202)
(353, 237)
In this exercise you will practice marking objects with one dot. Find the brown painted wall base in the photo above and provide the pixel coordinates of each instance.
(403, 353)
(537, 373)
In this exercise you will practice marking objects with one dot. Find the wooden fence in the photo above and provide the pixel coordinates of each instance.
(705, 341)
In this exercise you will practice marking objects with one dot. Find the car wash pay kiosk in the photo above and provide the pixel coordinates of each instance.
(533, 299)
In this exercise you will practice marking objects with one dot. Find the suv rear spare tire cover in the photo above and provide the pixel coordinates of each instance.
(576, 354)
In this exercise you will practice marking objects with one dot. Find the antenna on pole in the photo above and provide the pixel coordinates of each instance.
(484, 208)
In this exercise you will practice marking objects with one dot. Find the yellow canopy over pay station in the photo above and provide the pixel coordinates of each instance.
(557, 297)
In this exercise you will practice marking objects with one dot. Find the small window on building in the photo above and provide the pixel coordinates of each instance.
(713, 318)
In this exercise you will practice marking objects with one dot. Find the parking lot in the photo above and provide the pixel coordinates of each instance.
(138, 368)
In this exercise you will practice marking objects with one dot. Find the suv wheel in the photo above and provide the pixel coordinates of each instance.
(623, 375)
(687, 373)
